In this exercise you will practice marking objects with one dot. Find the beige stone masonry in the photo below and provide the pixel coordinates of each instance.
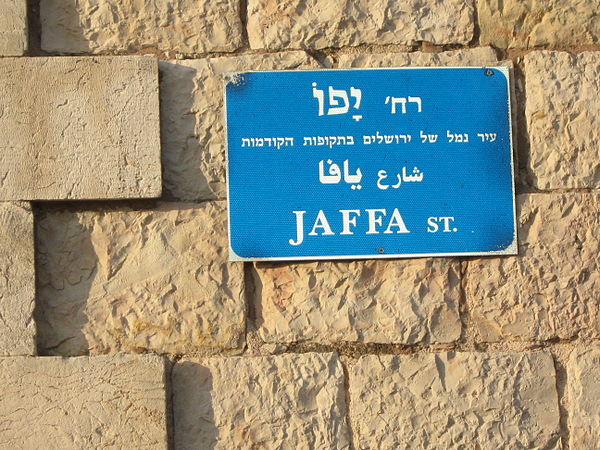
(193, 118)
(583, 378)
(293, 401)
(13, 27)
(454, 400)
(100, 402)
(563, 119)
(280, 24)
(79, 128)
(533, 23)
(128, 281)
(107, 26)
(397, 301)
(469, 57)
(17, 280)
(551, 290)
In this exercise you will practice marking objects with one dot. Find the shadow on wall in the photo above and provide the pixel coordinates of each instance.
(64, 25)
(66, 265)
(185, 142)
(193, 409)
(253, 292)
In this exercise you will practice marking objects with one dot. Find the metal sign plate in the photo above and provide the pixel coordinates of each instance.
(376, 163)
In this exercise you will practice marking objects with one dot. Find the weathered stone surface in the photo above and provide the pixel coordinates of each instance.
(401, 301)
(103, 26)
(288, 401)
(279, 24)
(563, 119)
(454, 400)
(13, 27)
(17, 280)
(551, 289)
(130, 281)
(584, 390)
(100, 402)
(79, 128)
(192, 115)
(530, 23)
(468, 57)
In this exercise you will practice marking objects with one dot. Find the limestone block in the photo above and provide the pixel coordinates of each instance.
(563, 119)
(103, 26)
(13, 28)
(531, 23)
(293, 401)
(316, 24)
(192, 113)
(468, 57)
(99, 402)
(79, 128)
(551, 289)
(17, 280)
(398, 301)
(584, 390)
(128, 281)
(454, 400)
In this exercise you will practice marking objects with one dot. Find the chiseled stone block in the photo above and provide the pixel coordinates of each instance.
(583, 381)
(103, 26)
(533, 23)
(397, 301)
(563, 119)
(126, 280)
(286, 401)
(13, 27)
(192, 119)
(316, 24)
(17, 280)
(79, 128)
(551, 289)
(99, 402)
(454, 400)
(467, 57)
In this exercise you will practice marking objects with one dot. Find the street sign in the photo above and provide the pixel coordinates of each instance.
(376, 163)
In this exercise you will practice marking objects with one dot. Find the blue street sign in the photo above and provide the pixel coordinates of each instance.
(377, 163)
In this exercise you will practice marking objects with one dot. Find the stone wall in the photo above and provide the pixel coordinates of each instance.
(123, 325)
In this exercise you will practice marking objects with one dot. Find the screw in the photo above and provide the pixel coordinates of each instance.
(489, 72)
(381, 250)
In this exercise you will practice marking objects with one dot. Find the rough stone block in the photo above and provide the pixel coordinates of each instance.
(17, 280)
(400, 301)
(316, 24)
(192, 115)
(584, 390)
(130, 281)
(101, 402)
(454, 400)
(551, 289)
(13, 28)
(103, 26)
(288, 401)
(79, 128)
(563, 119)
(468, 57)
(532, 23)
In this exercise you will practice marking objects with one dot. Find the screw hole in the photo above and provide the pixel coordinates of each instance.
(489, 72)
(381, 250)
